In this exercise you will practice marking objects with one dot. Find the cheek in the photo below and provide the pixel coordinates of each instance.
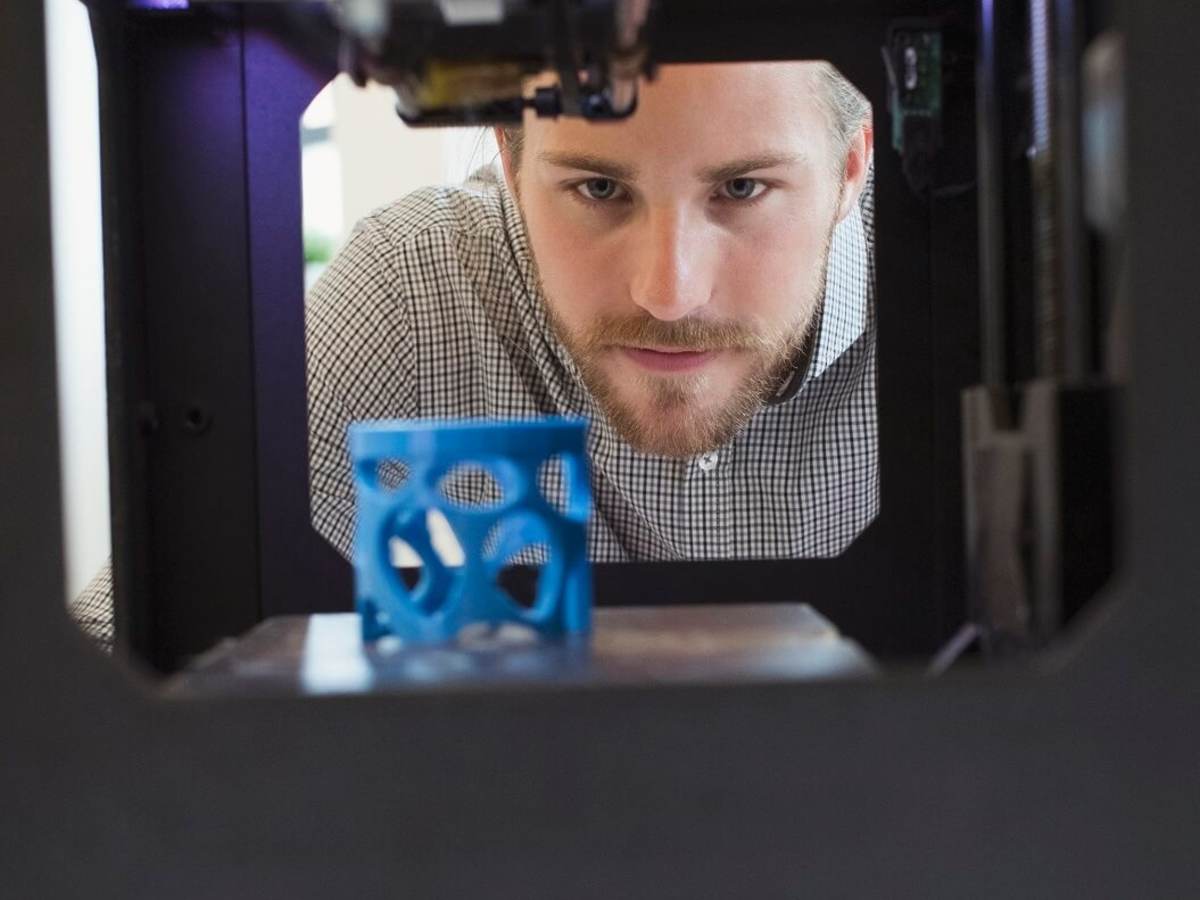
(773, 270)
(576, 269)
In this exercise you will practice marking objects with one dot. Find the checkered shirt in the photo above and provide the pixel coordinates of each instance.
(433, 310)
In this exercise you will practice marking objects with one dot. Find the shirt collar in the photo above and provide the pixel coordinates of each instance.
(844, 311)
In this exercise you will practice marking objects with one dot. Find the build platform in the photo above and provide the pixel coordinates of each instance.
(324, 654)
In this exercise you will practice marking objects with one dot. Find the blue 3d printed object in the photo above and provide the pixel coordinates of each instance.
(483, 477)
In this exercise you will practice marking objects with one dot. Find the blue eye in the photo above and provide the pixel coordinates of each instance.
(743, 188)
(599, 189)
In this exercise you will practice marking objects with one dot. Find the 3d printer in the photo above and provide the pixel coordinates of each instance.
(991, 781)
(187, 363)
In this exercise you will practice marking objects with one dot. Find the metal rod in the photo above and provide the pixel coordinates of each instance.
(1075, 295)
(1043, 153)
(991, 201)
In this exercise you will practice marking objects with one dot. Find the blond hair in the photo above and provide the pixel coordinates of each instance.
(848, 109)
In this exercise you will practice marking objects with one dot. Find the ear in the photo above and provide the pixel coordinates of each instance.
(859, 157)
(505, 157)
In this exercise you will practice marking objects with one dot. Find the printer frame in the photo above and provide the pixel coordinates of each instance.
(1073, 774)
(203, 250)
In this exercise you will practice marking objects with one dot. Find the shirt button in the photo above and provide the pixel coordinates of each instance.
(708, 461)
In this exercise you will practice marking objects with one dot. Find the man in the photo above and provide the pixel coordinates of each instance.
(665, 276)
(696, 280)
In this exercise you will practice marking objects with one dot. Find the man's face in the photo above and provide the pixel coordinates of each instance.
(682, 252)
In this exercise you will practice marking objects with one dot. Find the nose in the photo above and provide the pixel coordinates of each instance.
(672, 265)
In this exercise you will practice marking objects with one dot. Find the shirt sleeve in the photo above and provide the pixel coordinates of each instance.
(361, 364)
(92, 609)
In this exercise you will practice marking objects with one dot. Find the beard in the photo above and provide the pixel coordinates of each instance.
(681, 415)
(675, 415)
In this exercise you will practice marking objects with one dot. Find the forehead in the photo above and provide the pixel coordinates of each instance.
(703, 113)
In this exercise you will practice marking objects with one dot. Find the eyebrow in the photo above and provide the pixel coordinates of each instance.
(739, 167)
(712, 174)
(606, 167)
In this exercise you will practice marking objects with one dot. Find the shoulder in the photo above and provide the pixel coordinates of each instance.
(446, 214)
(408, 253)
(418, 292)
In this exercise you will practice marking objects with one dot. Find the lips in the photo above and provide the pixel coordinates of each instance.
(669, 360)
